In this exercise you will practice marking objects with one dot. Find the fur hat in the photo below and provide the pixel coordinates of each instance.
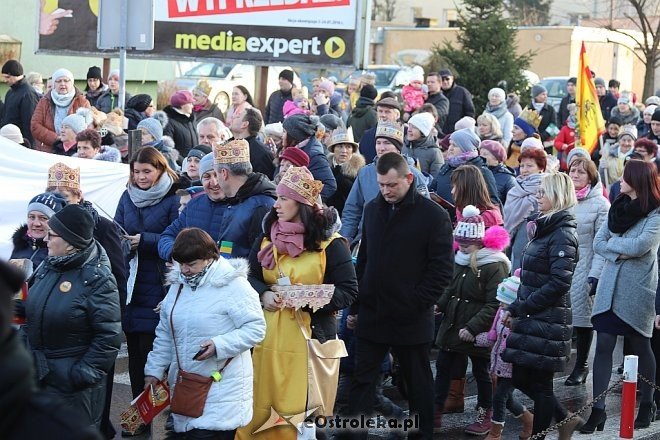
(296, 156)
(12, 132)
(494, 148)
(12, 68)
(423, 121)
(75, 122)
(47, 204)
(507, 290)
(74, 225)
(465, 139)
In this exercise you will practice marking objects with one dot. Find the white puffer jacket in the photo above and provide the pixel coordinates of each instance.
(590, 213)
(226, 309)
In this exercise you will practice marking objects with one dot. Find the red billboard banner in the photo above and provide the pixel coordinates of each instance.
(192, 8)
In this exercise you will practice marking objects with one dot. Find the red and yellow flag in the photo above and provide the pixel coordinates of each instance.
(589, 118)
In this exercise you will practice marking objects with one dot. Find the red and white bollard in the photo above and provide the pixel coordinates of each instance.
(628, 397)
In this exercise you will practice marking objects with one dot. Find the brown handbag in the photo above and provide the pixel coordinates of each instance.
(191, 390)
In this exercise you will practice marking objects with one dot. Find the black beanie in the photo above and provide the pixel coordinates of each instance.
(656, 115)
(94, 72)
(139, 102)
(299, 127)
(368, 91)
(199, 151)
(75, 225)
(12, 68)
(287, 75)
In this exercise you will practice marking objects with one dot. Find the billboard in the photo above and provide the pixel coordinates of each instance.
(313, 32)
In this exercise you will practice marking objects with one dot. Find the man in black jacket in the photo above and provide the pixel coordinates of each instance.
(562, 116)
(246, 126)
(460, 101)
(20, 101)
(438, 99)
(605, 98)
(404, 264)
(273, 111)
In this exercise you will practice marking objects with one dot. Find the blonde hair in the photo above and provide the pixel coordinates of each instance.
(559, 189)
(495, 126)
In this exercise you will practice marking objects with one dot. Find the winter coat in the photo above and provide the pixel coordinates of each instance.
(631, 118)
(182, 129)
(362, 118)
(20, 101)
(497, 337)
(548, 116)
(460, 105)
(319, 167)
(590, 214)
(339, 270)
(469, 303)
(108, 101)
(413, 98)
(106, 153)
(236, 220)
(541, 334)
(275, 105)
(134, 117)
(441, 103)
(260, 157)
(148, 291)
(73, 328)
(225, 309)
(209, 111)
(505, 179)
(93, 95)
(345, 175)
(397, 295)
(32, 249)
(26, 412)
(643, 129)
(427, 154)
(627, 287)
(441, 184)
(42, 124)
(367, 143)
(607, 102)
(365, 189)
(566, 136)
(562, 114)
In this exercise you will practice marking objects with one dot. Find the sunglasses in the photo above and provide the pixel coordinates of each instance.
(446, 78)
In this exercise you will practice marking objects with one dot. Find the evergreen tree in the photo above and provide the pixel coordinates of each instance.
(485, 53)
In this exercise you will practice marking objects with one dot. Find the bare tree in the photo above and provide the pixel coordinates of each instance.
(647, 21)
(383, 10)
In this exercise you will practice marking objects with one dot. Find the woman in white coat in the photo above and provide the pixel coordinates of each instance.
(213, 311)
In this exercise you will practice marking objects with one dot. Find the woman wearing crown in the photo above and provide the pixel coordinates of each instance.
(300, 246)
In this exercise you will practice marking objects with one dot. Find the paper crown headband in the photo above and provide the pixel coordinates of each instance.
(236, 151)
(389, 130)
(300, 181)
(61, 176)
(342, 136)
(531, 117)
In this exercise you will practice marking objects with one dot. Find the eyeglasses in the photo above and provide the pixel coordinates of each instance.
(446, 78)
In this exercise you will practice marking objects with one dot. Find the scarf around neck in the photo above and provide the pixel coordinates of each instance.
(498, 110)
(152, 196)
(582, 194)
(63, 100)
(521, 201)
(58, 261)
(287, 237)
(484, 256)
(462, 158)
(625, 213)
(194, 280)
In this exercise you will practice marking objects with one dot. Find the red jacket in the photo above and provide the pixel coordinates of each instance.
(566, 136)
(43, 120)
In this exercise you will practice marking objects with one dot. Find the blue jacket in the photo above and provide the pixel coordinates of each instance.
(365, 189)
(368, 144)
(149, 222)
(320, 167)
(236, 220)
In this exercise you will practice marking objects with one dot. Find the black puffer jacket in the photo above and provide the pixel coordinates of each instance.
(541, 333)
(29, 248)
(21, 100)
(182, 129)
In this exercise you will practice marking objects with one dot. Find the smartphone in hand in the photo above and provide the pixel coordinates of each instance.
(199, 353)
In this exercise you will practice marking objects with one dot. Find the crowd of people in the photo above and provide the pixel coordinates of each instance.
(245, 241)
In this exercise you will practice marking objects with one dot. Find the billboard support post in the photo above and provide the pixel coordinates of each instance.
(122, 52)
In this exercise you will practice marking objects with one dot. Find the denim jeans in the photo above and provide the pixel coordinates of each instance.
(443, 376)
(504, 399)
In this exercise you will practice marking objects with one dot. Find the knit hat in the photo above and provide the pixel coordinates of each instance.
(331, 122)
(328, 86)
(424, 122)
(599, 82)
(389, 102)
(507, 290)
(537, 89)
(274, 129)
(368, 91)
(465, 139)
(417, 76)
(203, 87)
(153, 126)
(296, 156)
(652, 100)
(531, 142)
(299, 184)
(75, 122)
(199, 151)
(139, 102)
(572, 80)
(47, 204)
(300, 127)
(528, 121)
(577, 152)
(624, 98)
(497, 92)
(391, 131)
(650, 109)
(206, 164)
(494, 148)
(471, 228)
(656, 115)
(181, 98)
(342, 136)
(61, 176)
(74, 224)
(286, 74)
(12, 68)
(12, 132)
(465, 122)
(60, 73)
(94, 72)
(628, 130)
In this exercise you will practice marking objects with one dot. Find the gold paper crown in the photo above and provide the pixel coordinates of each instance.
(236, 151)
(300, 180)
(531, 117)
(204, 87)
(390, 130)
(61, 176)
(342, 136)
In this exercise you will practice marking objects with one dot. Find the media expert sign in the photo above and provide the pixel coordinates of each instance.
(280, 31)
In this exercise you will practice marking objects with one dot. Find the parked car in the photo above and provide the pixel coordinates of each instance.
(556, 86)
(223, 77)
(388, 76)
(307, 74)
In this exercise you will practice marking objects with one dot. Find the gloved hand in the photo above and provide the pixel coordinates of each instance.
(593, 284)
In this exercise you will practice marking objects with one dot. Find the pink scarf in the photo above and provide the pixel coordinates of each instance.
(288, 238)
(582, 194)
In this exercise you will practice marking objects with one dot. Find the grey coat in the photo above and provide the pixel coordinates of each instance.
(427, 153)
(627, 287)
(590, 213)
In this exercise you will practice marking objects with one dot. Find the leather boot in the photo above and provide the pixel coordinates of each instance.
(527, 419)
(581, 369)
(455, 402)
(566, 431)
(495, 431)
(645, 415)
(437, 419)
